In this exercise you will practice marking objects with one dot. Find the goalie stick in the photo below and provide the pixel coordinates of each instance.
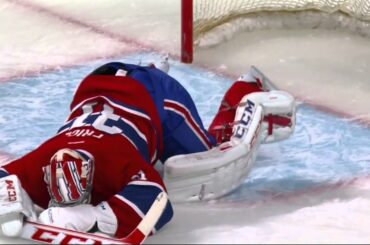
(55, 235)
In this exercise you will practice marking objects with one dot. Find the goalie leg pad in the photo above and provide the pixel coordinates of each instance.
(14, 204)
(214, 173)
(279, 114)
(217, 172)
(199, 181)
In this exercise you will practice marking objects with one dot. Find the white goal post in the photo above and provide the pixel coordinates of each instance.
(201, 16)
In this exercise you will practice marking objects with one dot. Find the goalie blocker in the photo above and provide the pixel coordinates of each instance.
(261, 117)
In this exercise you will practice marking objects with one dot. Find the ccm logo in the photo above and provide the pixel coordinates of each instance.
(55, 237)
(243, 124)
(12, 194)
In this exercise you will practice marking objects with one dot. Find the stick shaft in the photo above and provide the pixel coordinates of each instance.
(55, 235)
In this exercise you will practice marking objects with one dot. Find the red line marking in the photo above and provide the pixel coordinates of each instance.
(78, 23)
(51, 68)
(351, 117)
(138, 45)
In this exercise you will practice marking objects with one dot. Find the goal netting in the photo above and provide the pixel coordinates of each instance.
(226, 17)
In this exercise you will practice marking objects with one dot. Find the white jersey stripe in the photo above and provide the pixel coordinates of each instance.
(196, 132)
(3, 169)
(124, 108)
(185, 114)
(132, 205)
(148, 183)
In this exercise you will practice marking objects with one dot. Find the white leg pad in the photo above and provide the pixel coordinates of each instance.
(14, 204)
(214, 173)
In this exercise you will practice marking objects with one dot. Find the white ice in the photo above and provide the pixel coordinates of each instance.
(313, 188)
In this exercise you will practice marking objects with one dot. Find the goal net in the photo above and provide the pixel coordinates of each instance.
(200, 17)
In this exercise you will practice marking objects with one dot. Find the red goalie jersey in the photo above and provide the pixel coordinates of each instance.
(122, 124)
(115, 120)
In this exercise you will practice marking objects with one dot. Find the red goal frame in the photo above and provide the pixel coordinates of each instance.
(187, 31)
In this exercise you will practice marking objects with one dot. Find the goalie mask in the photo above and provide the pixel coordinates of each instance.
(69, 177)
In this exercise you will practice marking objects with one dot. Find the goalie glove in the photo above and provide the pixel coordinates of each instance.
(14, 205)
(82, 218)
(279, 115)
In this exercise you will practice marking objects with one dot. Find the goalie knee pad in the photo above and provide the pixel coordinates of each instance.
(221, 126)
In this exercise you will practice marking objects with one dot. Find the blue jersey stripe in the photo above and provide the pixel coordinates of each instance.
(3, 173)
(143, 197)
(66, 126)
(128, 108)
(130, 132)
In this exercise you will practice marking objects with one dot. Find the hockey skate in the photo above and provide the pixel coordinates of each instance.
(162, 64)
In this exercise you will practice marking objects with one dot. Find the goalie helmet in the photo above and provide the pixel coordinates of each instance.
(69, 177)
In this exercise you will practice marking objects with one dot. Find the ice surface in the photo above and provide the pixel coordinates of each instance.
(312, 188)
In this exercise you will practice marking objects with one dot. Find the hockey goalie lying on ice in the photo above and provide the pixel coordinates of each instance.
(97, 174)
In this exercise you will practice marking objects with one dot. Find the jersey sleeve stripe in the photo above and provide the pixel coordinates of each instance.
(3, 173)
(146, 183)
(66, 126)
(140, 196)
(184, 112)
(131, 205)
